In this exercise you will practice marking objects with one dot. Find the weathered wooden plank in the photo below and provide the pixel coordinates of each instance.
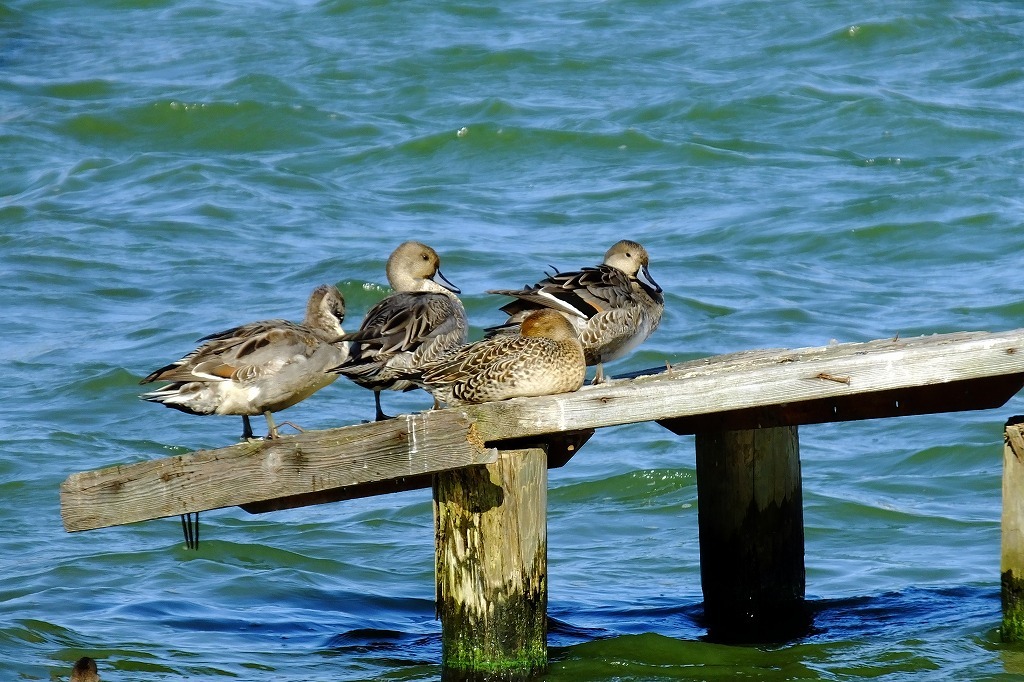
(933, 365)
(956, 396)
(742, 390)
(408, 446)
(560, 448)
(349, 492)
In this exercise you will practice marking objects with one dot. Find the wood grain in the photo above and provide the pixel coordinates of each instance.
(407, 446)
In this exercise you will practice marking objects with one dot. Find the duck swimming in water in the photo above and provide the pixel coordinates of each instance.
(85, 670)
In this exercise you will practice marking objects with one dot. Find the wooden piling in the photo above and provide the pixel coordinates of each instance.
(491, 567)
(1012, 561)
(750, 517)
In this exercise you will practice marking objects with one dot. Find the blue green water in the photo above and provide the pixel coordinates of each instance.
(799, 171)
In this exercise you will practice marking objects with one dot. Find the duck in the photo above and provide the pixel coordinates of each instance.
(258, 368)
(612, 309)
(85, 670)
(544, 357)
(417, 324)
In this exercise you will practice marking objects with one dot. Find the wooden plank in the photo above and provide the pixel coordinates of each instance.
(560, 447)
(411, 445)
(744, 381)
(351, 492)
(956, 396)
(830, 383)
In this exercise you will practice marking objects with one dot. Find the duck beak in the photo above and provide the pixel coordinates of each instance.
(650, 280)
(446, 284)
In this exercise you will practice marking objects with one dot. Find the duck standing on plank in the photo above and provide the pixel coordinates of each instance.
(545, 357)
(417, 324)
(258, 368)
(611, 308)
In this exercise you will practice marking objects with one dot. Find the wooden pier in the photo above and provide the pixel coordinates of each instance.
(488, 465)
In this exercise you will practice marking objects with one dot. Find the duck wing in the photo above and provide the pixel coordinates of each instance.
(404, 321)
(489, 357)
(583, 293)
(241, 353)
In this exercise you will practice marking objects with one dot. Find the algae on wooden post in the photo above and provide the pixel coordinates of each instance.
(750, 517)
(491, 566)
(1012, 562)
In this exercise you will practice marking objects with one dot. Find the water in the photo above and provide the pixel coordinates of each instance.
(799, 171)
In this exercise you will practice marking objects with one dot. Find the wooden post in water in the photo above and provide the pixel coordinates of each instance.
(491, 567)
(1012, 562)
(750, 516)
